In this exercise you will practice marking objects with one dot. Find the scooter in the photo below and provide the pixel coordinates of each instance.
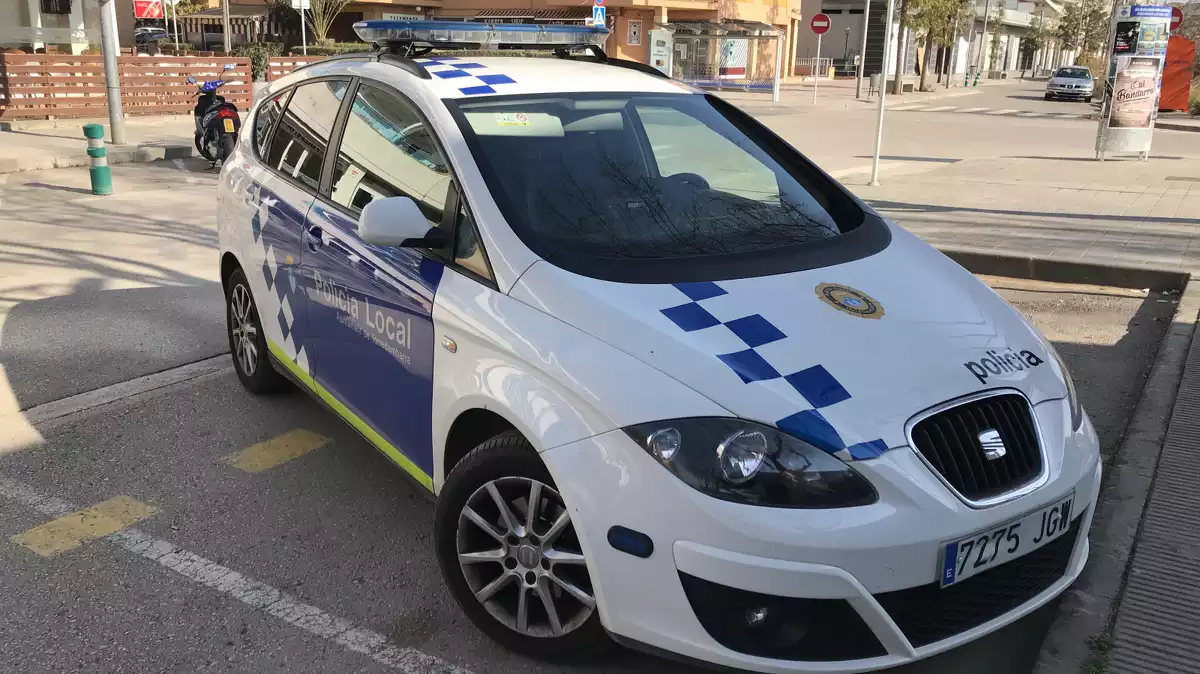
(217, 121)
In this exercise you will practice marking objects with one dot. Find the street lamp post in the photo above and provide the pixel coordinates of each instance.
(987, 9)
(862, 53)
(846, 51)
(887, 32)
(110, 48)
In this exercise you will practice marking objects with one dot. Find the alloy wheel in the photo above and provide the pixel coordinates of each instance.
(521, 558)
(243, 327)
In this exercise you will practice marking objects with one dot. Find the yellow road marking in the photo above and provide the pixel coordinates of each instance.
(270, 453)
(72, 531)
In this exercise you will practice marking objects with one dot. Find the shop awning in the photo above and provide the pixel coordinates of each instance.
(506, 14)
(731, 28)
(550, 15)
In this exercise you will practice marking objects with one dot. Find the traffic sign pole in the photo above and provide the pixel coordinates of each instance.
(819, 24)
(816, 66)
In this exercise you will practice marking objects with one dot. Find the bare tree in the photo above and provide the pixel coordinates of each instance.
(321, 14)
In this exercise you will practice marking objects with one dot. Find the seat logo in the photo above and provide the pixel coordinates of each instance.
(991, 444)
(848, 300)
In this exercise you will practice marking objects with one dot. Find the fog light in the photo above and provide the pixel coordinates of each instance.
(756, 616)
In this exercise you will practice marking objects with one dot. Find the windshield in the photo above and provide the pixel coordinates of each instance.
(1074, 73)
(645, 177)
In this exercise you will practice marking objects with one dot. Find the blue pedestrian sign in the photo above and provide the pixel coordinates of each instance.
(598, 16)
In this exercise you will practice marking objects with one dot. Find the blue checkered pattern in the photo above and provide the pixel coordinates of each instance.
(470, 78)
(820, 388)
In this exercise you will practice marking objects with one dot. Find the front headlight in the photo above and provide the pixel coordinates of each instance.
(744, 462)
(1072, 399)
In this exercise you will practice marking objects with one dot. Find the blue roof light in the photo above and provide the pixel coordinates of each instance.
(478, 35)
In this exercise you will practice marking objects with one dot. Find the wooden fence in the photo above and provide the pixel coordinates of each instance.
(278, 66)
(46, 86)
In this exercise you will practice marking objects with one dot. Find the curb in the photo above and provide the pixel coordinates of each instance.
(1173, 126)
(1059, 271)
(118, 154)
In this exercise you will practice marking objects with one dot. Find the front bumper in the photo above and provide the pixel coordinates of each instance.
(864, 558)
(1069, 93)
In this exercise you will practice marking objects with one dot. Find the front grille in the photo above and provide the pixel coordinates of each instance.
(930, 613)
(783, 628)
(949, 441)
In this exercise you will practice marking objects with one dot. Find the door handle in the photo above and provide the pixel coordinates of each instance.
(312, 238)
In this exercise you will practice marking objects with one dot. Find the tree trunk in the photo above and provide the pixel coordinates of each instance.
(928, 56)
(897, 86)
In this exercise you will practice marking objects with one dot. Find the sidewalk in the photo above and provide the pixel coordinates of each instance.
(34, 146)
(1119, 212)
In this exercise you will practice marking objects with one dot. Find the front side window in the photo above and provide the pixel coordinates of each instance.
(302, 138)
(387, 151)
(591, 182)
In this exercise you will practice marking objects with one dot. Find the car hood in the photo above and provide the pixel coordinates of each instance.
(842, 356)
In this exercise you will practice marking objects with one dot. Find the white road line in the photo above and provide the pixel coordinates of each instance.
(125, 389)
(1000, 112)
(974, 109)
(942, 108)
(908, 107)
(1070, 115)
(258, 596)
(1030, 113)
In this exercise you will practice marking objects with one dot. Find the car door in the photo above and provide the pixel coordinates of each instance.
(370, 307)
(291, 139)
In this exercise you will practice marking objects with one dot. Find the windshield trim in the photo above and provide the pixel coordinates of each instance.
(863, 233)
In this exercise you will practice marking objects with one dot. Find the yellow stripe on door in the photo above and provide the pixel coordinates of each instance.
(71, 531)
(280, 449)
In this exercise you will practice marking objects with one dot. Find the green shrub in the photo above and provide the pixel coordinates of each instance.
(258, 53)
(332, 48)
(1194, 103)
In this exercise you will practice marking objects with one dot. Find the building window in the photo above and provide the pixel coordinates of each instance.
(56, 6)
(633, 36)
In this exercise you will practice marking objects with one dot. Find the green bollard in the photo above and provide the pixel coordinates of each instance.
(100, 174)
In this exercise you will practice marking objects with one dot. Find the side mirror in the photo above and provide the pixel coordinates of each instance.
(229, 66)
(191, 80)
(397, 221)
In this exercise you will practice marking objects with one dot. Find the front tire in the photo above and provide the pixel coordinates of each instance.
(1049, 97)
(518, 572)
(247, 343)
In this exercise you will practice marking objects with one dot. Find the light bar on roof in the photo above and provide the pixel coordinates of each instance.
(478, 35)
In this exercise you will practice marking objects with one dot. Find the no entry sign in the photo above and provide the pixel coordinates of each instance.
(1176, 18)
(819, 23)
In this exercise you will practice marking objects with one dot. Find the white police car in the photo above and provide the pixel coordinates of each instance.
(670, 383)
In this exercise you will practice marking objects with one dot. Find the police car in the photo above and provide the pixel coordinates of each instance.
(671, 384)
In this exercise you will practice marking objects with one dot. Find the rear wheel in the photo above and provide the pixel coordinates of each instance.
(247, 343)
(510, 556)
(226, 146)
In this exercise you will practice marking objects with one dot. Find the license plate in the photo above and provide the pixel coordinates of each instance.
(228, 125)
(972, 555)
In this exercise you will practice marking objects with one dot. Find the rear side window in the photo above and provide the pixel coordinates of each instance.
(387, 151)
(264, 119)
(301, 140)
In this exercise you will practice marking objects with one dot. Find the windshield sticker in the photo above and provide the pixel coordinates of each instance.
(512, 119)
(1005, 362)
(848, 300)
